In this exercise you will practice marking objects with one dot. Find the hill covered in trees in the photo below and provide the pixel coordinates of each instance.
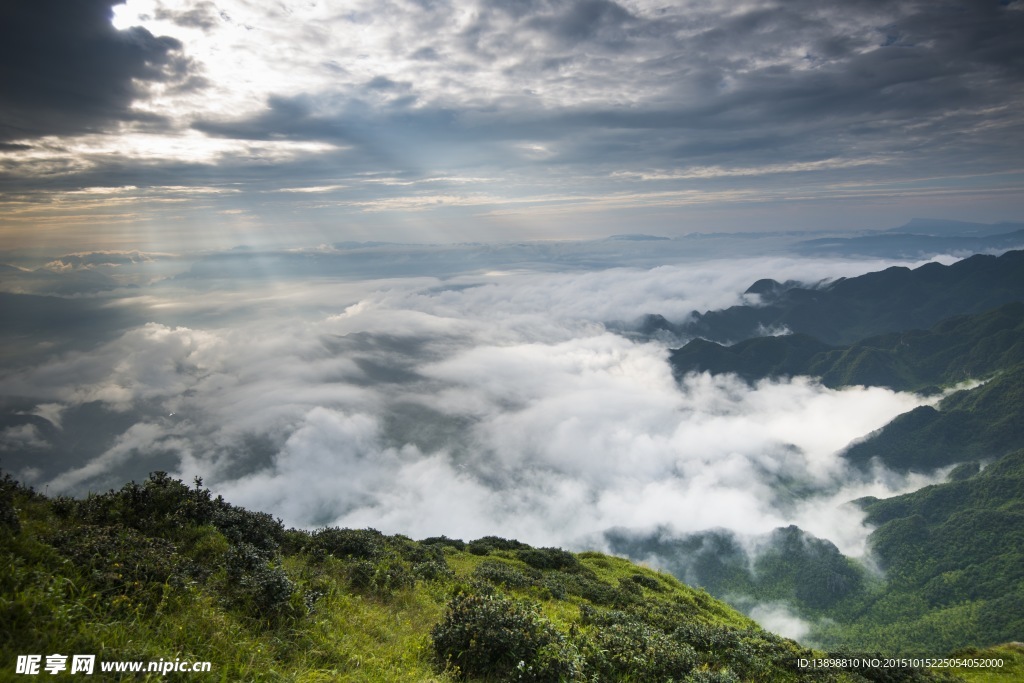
(951, 557)
(949, 554)
(846, 310)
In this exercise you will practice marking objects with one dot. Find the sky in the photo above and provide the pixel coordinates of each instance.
(166, 125)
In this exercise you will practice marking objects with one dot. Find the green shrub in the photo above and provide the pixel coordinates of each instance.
(492, 636)
(627, 647)
(257, 529)
(255, 585)
(548, 558)
(633, 650)
(432, 570)
(382, 579)
(594, 590)
(119, 562)
(488, 544)
(648, 582)
(444, 541)
(9, 488)
(363, 544)
(502, 574)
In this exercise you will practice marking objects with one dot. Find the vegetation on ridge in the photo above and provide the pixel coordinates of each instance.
(161, 570)
(849, 309)
(951, 557)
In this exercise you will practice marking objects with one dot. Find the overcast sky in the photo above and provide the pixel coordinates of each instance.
(159, 124)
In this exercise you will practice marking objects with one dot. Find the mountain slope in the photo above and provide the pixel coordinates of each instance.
(161, 571)
(951, 553)
(849, 309)
(977, 424)
(956, 349)
(952, 557)
(980, 423)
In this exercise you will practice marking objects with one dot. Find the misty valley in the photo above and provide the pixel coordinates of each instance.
(545, 462)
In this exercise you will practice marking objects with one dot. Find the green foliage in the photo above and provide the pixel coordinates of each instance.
(256, 585)
(489, 544)
(627, 647)
(163, 506)
(498, 637)
(9, 522)
(383, 578)
(135, 574)
(548, 558)
(953, 350)
(444, 541)
(504, 574)
(891, 300)
(126, 567)
(362, 544)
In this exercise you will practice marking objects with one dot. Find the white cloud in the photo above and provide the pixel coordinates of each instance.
(481, 404)
(778, 618)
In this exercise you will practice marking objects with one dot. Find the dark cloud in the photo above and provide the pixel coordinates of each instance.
(586, 20)
(573, 98)
(730, 87)
(64, 69)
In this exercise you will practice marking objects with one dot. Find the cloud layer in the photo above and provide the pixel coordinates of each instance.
(488, 403)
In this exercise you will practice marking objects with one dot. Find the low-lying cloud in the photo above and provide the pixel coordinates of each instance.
(494, 403)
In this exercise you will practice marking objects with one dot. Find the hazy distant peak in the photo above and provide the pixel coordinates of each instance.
(634, 237)
(939, 226)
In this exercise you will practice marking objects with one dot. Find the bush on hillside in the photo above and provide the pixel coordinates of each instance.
(495, 637)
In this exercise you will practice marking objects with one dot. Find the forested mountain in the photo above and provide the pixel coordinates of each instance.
(950, 555)
(954, 350)
(849, 309)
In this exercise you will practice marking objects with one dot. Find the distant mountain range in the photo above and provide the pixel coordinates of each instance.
(952, 554)
(846, 310)
(920, 238)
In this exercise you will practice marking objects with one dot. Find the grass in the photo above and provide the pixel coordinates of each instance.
(163, 571)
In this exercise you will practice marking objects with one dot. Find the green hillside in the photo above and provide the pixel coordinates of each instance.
(950, 555)
(953, 350)
(162, 571)
(951, 558)
(977, 424)
(981, 423)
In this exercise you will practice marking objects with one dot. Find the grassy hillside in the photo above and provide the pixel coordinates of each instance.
(165, 571)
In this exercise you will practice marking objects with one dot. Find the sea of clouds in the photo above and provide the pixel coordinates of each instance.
(488, 400)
